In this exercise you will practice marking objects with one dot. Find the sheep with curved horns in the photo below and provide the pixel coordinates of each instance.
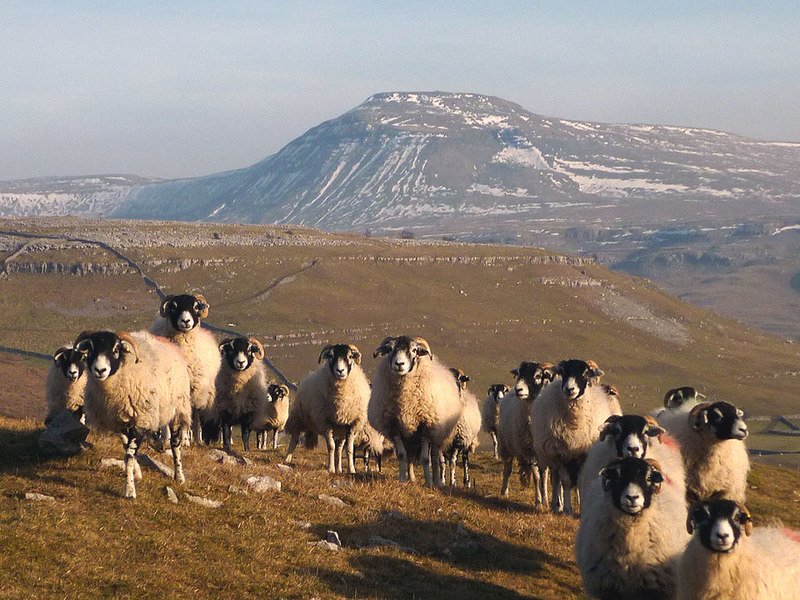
(465, 438)
(515, 440)
(275, 415)
(331, 401)
(681, 399)
(415, 401)
(728, 559)
(565, 421)
(711, 437)
(490, 412)
(631, 535)
(179, 320)
(66, 383)
(139, 384)
(242, 396)
(638, 437)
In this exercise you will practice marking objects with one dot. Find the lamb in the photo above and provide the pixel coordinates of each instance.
(631, 535)
(465, 438)
(65, 383)
(711, 437)
(566, 421)
(241, 389)
(722, 564)
(514, 430)
(371, 443)
(490, 412)
(180, 321)
(275, 415)
(415, 400)
(139, 384)
(332, 402)
(639, 437)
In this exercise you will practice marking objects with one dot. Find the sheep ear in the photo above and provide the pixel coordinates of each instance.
(698, 416)
(327, 352)
(60, 352)
(656, 476)
(423, 347)
(745, 519)
(547, 371)
(515, 372)
(225, 343)
(256, 348)
(164, 303)
(128, 344)
(201, 306)
(609, 474)
(610, 427)
(386, 346)
(653, 429)
(355, 354)
(690, 523)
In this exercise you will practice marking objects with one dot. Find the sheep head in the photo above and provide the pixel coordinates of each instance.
(340, 358)
(185, 311)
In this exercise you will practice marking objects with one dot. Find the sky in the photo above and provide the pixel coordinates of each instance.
(180, 89)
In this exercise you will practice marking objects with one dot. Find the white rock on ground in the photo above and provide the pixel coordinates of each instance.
(112, 463)
(332, 500)
(203, 501)
(155, 464)
(171, 495)
(264, 483)
(38, 497)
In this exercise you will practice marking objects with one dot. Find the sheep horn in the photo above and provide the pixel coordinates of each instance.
(162, 310)
(695, 416)
(259, 353)
(225, 342)
(657, 468)
(204, 306)
(57, 354)
(653, 423)
(748, 520)
(126, 338)
(608, 427)
(426, 348)
(284, 389)
(386, 346)
(356, 354)
(326, 353)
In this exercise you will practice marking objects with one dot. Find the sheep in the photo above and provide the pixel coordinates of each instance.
(465, 438)
(139, 383)
(639, 437)
(414, 400)
(371, 443)
(711, 437)
(241, 389)
(722, 564)
(65, 383)
(179, 320)
(331, 401)
(630, 535)
(680, 399)
(490, 411)
(565, 422)
(513, 429)
(275, 415)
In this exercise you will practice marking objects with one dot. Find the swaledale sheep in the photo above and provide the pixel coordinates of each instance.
(465, 437)
(415, 400)
(241, 388)
(680, 399)
(722, 564)
(331, 402)
(565, 421)
(275, 415)
(138, 384)
(179, 321)
(65, 383)
(630, 535)
(490, 412)
(371, 443)
(514, 425)
(638, 437)
(711, 437)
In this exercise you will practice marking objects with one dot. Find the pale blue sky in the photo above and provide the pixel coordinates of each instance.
(178, 89)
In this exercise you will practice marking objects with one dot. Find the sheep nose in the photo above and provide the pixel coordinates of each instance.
(240, 363)
(723, 537)
(634, 451)
(100, 371)
(399, 364)
(341, 371)
(632, 497)
(185, 322)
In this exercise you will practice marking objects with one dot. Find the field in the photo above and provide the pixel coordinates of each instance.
(482, 308)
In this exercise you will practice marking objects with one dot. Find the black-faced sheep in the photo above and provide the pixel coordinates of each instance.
(490, 412)
(630, 535)
(241, 388)
(711, 437)
(275, 415)
(138, 384)
(514, 436)
(566, 421)
(332, 402)
(727, 559)
(679, 399)
(415, 400)
(65, 383)
(180, 321)
(465, 439)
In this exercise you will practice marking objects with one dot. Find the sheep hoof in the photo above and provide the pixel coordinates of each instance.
(129, 492)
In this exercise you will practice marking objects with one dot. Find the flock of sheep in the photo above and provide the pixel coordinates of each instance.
(661, 496)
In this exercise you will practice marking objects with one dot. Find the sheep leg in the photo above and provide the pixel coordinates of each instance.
(453, 463)
(338, 453)
(425, 459)
(378, 460)
(331, 443)
(405, 472)
(557, 502)
(544, 483)
(412, 477)
(130, 442)
(196, 437)
(245, 436)
(261, 443)
(226, 436)
(508, 467)
(465, 466)
(292, 445)
(367, 456)
(274, 439)
(175, 445)
(537, 482)
(494, 444)
(351, 455)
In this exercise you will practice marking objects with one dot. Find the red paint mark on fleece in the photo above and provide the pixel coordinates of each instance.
(791, 534)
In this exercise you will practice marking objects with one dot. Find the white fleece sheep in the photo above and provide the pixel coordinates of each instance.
(371, 443)
(711, 437)
(465, 437)
(332, 402)
(565, 421)
(727, 559)
(415, 400)
(241, 388)
(66, 382)
(679, 399)
(275, 416)
(490, 412)
(631, 534)
(138, 384)
(180, 321)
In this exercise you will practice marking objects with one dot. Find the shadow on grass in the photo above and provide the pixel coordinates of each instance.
(493, 502)
(396, 578)
(19, 448)
(445, 541)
